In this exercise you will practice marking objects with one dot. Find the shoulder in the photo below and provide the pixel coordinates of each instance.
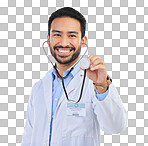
(39, 84)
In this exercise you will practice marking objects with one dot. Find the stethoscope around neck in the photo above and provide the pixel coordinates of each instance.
(84, 64)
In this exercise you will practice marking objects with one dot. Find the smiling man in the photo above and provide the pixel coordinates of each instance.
(65, 40)
(54, 121)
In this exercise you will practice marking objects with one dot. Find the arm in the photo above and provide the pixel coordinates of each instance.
(110, 112)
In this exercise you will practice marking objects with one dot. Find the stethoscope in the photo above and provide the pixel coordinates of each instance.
(84, 64)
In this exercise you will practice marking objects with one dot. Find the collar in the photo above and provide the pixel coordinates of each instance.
(73, 73)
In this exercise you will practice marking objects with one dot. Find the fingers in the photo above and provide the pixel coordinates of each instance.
(98, 66)
(81, 68)
(96, 62)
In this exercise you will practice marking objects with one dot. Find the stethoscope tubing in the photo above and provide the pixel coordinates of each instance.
(74, 63)
(54, 66)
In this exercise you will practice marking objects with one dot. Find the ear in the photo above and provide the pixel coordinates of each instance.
(48, 39)
(83, 42)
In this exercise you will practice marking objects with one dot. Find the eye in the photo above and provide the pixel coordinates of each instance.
(72, 36)
(56, 34)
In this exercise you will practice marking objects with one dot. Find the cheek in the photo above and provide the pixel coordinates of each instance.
(77, 43)
(52, 43)
(53, 40)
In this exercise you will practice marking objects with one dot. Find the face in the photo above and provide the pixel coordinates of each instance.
(65, 40)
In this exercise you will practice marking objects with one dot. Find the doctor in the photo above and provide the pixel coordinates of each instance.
(51, 119)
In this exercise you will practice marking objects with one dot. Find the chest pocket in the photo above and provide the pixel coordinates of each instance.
(74, 125)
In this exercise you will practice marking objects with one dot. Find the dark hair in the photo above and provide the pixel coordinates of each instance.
(68, 12)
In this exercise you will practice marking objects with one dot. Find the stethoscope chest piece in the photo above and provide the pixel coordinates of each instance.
(84, 63)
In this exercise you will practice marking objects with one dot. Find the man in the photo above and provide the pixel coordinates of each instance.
(54, 121)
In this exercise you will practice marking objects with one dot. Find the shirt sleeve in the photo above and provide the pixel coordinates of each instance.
(102, 96)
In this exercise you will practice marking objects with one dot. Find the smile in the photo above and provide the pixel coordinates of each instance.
(64, 51)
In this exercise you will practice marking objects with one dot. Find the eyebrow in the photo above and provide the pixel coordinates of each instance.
(56, 31)
(73, 32)
(68, 32)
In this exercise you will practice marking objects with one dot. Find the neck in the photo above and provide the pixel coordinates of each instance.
(63, 67)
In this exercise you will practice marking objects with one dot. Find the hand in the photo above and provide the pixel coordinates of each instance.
(97, 71)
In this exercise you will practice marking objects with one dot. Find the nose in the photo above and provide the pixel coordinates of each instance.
(64, 41)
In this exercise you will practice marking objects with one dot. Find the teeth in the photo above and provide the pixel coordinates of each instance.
(64, 51)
